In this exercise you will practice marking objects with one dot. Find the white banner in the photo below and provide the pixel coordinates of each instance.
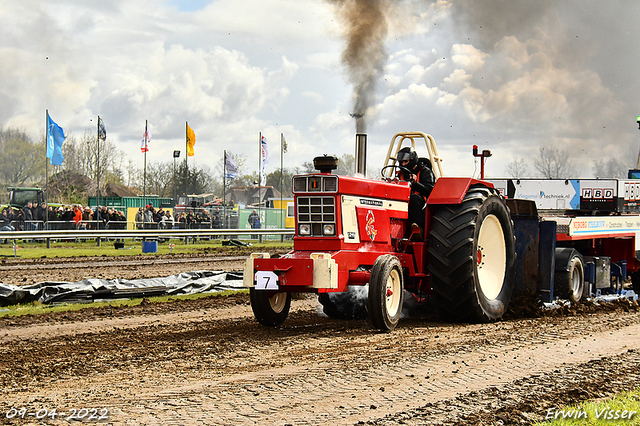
(264, 160)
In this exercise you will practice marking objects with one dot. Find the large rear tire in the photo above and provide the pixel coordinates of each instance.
(270, 308)
(569, 274)
(386, 293)
(472, 257)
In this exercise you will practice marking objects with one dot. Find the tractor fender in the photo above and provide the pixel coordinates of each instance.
(451, 190)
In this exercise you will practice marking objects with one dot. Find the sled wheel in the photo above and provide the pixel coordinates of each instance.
(386, 293)
(472, 257)
(345, 306)
(270, 308)
(569, 277)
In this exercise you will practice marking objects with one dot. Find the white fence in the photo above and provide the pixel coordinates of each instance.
(141, 234)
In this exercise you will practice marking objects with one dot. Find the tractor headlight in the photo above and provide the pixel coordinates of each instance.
(329, 229)
(305, 229)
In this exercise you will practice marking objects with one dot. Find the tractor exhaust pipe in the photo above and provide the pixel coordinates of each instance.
(361, 153)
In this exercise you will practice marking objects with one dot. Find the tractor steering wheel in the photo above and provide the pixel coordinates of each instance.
(403, 169)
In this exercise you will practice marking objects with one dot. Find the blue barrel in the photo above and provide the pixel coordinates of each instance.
(149, 246)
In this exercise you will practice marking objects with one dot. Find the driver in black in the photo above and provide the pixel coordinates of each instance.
(422, 181)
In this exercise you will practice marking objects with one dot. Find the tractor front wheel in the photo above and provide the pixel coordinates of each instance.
(270, 308)
(472, 257)
(386, 293)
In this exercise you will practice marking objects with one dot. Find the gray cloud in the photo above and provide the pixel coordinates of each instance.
(516, 76)
(510, 76)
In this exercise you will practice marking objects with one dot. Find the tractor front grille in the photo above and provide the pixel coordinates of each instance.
(316, 216)
(315, 183)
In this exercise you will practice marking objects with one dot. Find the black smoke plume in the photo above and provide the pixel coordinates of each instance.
(365, 29)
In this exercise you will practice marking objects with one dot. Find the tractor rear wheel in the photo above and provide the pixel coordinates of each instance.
(569, 276)
(270, 308)
(386, 293)
(472, 257)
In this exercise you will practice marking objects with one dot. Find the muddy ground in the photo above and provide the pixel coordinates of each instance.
(209, 362)
(30, 271)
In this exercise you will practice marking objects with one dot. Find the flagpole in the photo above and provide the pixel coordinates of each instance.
(98, 167)
(281, 158)
(224, 185)
(144, 180)
(46, 165)
(186, 157)
(260, 178)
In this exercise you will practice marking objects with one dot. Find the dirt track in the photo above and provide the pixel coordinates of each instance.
(208, 362)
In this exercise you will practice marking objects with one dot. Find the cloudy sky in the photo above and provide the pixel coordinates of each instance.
(511, 76)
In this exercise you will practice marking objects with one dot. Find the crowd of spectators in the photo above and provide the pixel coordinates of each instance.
(152, 218)
(38, 217)
(69, 217)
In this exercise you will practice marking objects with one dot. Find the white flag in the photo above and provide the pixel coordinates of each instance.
(146, 138)
(231, 168)
(264, 160)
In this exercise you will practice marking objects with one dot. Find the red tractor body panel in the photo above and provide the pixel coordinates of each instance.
(369, 205)
(374, 188)
(369, 218)
(451, 190)
(297, 271)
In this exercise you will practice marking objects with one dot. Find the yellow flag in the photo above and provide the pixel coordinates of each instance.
(191, 141)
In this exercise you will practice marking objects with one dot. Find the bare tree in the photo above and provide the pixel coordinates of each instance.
(83, 155)
(517, 168)
(21, 160)
(611, 168)
(307, 167)
(346, 165)
(72, 161)
(160, 179)
(554, 164)
(132, 173)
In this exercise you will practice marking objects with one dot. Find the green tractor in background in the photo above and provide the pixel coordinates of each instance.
(19, 197)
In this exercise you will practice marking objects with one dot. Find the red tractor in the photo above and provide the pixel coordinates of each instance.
(353, 232)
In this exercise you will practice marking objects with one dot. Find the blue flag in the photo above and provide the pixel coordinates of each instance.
(55, 138)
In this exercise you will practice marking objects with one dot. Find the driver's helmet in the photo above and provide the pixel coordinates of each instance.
(408, 154)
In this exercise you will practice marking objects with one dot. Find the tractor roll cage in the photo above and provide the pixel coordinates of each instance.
(396, 145)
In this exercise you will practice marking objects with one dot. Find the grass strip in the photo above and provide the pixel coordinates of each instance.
(38, 308)
(31, 250)
(622, 409)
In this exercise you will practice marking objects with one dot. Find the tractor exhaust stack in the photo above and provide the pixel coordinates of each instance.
(361, 154)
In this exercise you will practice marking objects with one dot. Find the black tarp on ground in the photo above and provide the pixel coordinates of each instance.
(98, 289)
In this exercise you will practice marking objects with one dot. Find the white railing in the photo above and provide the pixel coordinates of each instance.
(53, 225)
(142, 234)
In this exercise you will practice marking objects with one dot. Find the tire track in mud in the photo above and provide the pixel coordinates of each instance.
(200, 370)
(324, 394)
(30, 271)
(119, 262)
